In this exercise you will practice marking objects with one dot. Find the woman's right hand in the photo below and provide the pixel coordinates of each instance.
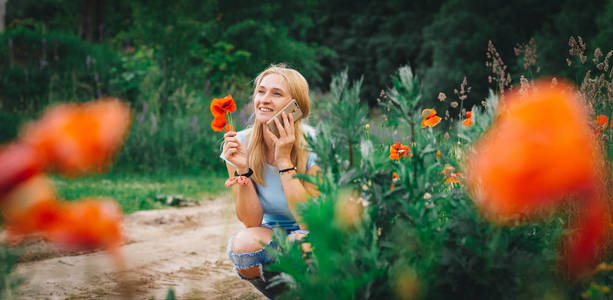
(235, 152)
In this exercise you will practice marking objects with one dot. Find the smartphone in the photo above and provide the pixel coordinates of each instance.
(291, 108)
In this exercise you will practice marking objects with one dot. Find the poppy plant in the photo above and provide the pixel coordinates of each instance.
(221, 109)
(395, 179)
(452, 177)
(520, 167)
(430, 118)
(469, 119)
(399, 150)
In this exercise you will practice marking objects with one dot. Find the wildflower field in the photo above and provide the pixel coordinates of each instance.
(510, 198)
(400, 212)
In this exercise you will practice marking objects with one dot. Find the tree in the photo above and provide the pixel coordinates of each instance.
(2, 13)
(91, 20)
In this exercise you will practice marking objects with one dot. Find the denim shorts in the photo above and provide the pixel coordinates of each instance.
(259, 258)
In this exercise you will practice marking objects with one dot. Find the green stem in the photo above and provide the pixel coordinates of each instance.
(350, 153)
(413, 145)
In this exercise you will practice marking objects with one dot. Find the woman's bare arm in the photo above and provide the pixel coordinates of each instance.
(297, 191)
(248, 207)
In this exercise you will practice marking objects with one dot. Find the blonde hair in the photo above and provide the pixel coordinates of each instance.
(299, 90)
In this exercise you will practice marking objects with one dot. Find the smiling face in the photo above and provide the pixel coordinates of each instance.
(271, 95)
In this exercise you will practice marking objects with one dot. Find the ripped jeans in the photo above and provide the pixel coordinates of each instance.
(259, 258)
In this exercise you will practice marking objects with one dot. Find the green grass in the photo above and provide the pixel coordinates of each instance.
(134, 192)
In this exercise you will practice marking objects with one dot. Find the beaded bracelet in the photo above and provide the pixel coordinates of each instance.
(287, 170)
(242, 179)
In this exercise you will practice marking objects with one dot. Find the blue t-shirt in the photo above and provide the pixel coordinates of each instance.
(271, 196)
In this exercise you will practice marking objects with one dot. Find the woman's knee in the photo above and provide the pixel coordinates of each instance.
(251, 239)
(247, 253)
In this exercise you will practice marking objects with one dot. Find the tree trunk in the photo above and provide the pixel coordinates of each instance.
(91, 20)
(2, 14)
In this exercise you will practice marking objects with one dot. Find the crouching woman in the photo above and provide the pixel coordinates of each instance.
(262, 165)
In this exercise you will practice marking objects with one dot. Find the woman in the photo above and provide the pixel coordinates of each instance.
(269, 196)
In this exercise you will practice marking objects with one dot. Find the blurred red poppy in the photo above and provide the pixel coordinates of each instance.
(539, 151)
(32, 209)
(29, 208)
(87, 225)
(19, 163)
(522, 164)
(588, 239)
(76, 139)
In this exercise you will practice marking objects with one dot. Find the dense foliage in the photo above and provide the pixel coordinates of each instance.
(386, 227)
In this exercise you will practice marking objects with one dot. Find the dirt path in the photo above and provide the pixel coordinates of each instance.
(179, 248)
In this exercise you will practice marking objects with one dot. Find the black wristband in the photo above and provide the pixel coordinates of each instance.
(287, 170)
(249, 173)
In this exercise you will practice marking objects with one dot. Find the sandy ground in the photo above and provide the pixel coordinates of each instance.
(179, 248)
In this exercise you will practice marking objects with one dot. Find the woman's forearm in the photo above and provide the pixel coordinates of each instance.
(294, 190)
(248, 207)
(246, 203)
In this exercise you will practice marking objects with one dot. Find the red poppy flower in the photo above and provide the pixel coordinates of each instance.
(87, 225)
(19, 163)
(469, 119)
(601, 122)
(430, 118)
(522, 164)
(399, 150)
(221, 106)
(219, 123)
(587, 242)
(79, 138)
(29, 208)
(451, 177)
(538, 152)
(32, 209)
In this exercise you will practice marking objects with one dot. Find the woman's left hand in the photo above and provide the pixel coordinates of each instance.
(285, 141)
